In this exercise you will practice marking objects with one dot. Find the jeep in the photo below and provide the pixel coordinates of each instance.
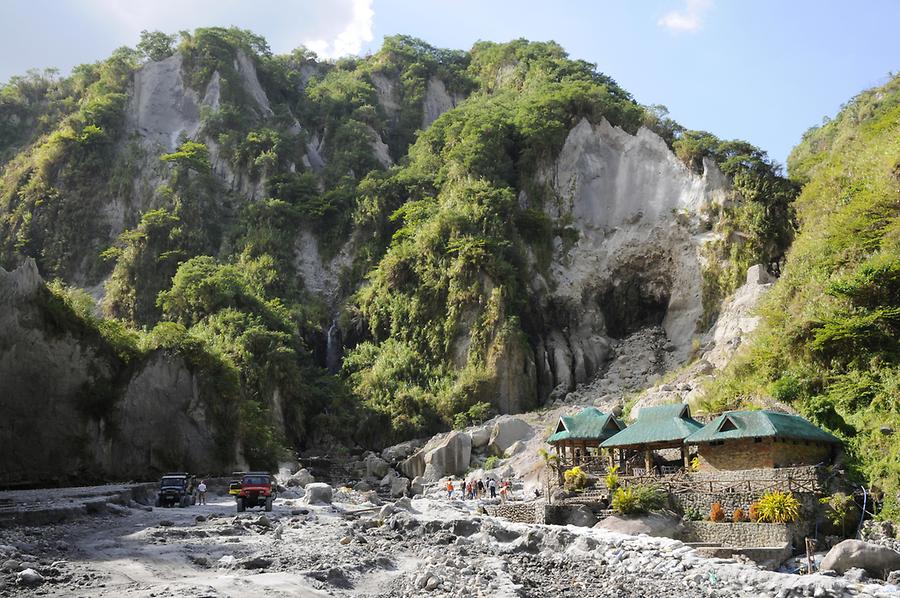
(176, 489)
(257, 490)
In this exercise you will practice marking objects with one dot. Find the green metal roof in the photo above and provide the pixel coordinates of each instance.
(754, 424)
(663, 423)
(589, 424)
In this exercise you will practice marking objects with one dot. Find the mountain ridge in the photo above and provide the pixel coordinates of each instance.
(224, 200)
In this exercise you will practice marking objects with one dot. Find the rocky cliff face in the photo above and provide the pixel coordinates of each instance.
(300, 173)
(637, 222)
(73, 411)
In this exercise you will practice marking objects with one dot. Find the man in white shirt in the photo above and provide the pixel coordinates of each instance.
(201, 492)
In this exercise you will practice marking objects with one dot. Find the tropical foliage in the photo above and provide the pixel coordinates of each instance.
(644, 498)
(777, 507)
(575, 478)
(828, 344)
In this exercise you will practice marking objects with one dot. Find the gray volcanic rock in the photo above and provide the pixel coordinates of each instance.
(318, 493)
(654, 524)
(154, 417)
(638, 217)
(505, 432)
(878, 561)
(445, 454)
(437, 101)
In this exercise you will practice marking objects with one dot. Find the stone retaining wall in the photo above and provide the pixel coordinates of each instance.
(701, 499)
(751, 535)
(541, 512)
(519, 512)
(782, 473)
(702, 503)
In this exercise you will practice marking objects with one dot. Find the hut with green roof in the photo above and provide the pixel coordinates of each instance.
(761, 439)
(577, 438)
(656, 428)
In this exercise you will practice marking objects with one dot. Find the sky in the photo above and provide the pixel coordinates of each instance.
(762, 71)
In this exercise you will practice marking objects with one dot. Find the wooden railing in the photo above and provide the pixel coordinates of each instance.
(685, 484)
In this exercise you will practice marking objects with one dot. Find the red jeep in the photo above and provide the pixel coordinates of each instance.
(257, 490)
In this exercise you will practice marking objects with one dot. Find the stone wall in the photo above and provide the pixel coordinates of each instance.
(766, 453)
(519, 512)
(753, 535)
(736, 455)
(739, 489)
(807, 472)
(797, 452)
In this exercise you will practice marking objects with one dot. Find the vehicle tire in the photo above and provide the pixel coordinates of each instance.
(240, 505)
(268, 504)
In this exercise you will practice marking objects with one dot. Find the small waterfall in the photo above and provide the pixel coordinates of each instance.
(333, 348)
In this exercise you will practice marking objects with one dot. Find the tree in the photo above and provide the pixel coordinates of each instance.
(156, 45)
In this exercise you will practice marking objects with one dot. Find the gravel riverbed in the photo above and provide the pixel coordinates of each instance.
(413, 548)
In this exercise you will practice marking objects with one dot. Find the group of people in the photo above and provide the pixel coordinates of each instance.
(479, 488)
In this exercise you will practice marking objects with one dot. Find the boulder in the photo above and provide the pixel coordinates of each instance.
(581, 516)
(515, 448)
(318, 493)
(417, 486)
(399, 487)
(376, 467)
(256, 562)
(29, 577)
(654, 524)
(399, 452)
(302, 478)
(878, 561)
(445, 454)
(372, 498)
(506, 431)
(480, 436)
(405, 504)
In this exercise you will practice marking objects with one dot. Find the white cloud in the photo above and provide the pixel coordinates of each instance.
(688, 20)
(333, 28)
(350, 40)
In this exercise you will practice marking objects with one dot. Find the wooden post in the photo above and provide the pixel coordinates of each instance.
(647, 461)
(809, 550)
(684, 456)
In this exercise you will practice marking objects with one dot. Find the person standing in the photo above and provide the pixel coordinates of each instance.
(201, 492)
(449, 488)
(480, 488)
(492, 486)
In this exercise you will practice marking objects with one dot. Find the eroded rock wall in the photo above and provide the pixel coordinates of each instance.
(636, 222)
(71, 407)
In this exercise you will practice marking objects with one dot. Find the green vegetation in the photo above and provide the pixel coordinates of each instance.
(200, 257)
(642, 498)
(491, 462)
(71, 311)
(454, 266)
(52, 191)
(575, 479)
(778, 507)
(828, 344)
(612, 478)
(838, 509)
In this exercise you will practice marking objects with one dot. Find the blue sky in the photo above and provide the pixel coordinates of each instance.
(762, 71)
